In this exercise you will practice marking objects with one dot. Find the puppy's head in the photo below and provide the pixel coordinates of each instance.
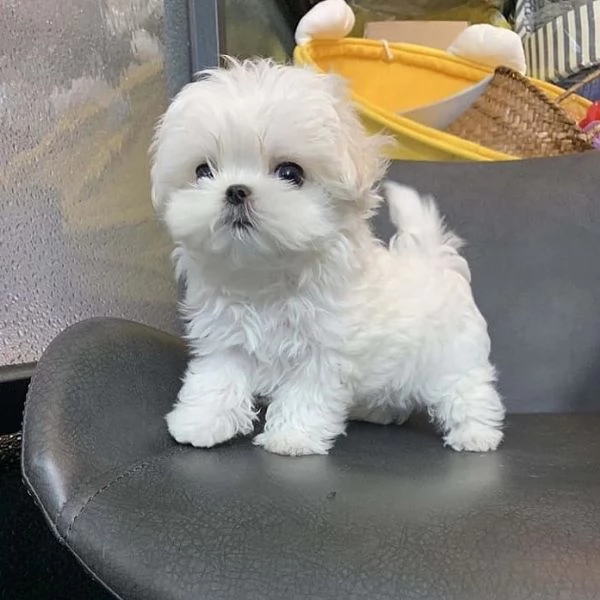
(262, 159)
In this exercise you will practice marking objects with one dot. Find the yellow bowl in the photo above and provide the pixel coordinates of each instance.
(388, 79)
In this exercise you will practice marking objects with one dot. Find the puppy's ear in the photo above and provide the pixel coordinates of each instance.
(363, 162)
(157, 190)
(158, 186)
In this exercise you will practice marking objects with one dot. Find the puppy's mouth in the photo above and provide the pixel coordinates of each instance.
(238, 218)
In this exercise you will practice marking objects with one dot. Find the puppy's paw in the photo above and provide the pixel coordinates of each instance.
(473, 437)
(204, 428)
(291, 443)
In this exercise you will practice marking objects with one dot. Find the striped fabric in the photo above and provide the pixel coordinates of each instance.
(558, 46)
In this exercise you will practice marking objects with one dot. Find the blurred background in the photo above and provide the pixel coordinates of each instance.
(81, 86)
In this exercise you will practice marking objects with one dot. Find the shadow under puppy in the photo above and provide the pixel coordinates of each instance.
(266, 180)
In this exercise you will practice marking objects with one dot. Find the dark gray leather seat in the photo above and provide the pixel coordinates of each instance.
(390, 514)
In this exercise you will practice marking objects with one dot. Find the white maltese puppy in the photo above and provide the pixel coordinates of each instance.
(266, 181)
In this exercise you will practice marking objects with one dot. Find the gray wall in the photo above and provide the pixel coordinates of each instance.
(81, 86)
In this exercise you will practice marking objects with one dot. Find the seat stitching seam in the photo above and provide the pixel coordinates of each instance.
(132, 470)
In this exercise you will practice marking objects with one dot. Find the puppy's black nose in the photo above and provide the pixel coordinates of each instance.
(237, 194)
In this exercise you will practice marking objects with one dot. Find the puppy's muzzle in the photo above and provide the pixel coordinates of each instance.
(237, 194)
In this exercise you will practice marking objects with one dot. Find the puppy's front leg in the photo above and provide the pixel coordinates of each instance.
(305, 416)
(215, 402)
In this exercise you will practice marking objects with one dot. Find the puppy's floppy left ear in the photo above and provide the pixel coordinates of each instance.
(164, 166)
(361, 154)
(157, 190)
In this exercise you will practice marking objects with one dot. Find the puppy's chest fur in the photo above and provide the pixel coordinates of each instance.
(277, 335)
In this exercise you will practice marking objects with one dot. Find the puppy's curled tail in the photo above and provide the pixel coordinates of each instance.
(421, 230)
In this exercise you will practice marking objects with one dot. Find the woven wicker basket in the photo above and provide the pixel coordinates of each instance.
(516, 117)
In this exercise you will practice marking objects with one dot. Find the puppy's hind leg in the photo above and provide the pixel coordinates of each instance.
(469, 410)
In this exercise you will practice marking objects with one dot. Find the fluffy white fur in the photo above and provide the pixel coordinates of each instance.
(305, 310)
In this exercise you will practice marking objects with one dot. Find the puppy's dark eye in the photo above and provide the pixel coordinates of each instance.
(289, 171)
(203, 171)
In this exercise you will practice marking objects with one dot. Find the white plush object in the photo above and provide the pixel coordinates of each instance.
(328, 20)
(491, 46)
(266, 181)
